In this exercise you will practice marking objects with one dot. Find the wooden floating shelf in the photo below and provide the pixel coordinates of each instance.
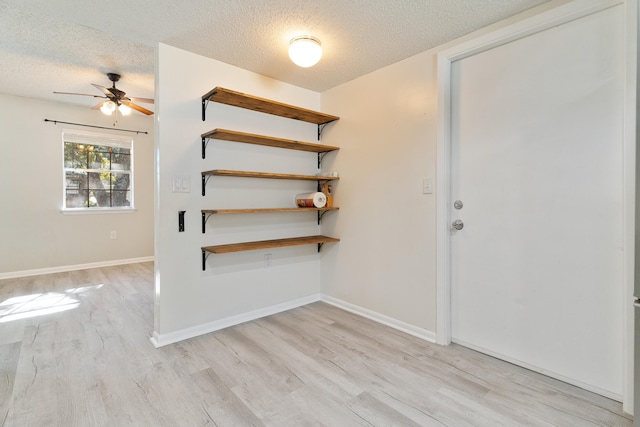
(206, 213)
(265, 210)
(264, 244)
(267, 244)
(268, 141)
(248, 174)
(250, 102)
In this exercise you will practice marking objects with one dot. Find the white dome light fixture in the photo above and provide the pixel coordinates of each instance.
(305, 51)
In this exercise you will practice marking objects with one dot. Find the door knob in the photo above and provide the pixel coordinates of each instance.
(457, 224)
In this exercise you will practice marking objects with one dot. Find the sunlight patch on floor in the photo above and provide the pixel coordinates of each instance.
(33, 305)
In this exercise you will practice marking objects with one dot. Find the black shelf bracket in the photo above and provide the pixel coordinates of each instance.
(205, 179)
(205, 255)
(320, 246)
(205, 103)
(320, 129)
(205, 218)
(205, 142)
(321, 157)
(320, 215)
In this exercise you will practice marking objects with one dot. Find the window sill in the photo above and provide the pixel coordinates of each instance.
(97, 211)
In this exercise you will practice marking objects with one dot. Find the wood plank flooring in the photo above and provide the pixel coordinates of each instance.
(92, 364)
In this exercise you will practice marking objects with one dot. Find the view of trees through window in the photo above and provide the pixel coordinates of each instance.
(97, 176)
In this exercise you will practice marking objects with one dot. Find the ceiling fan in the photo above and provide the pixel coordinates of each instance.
(114, 99)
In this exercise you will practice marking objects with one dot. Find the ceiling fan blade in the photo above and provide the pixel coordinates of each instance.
(137, 108)
(99, 104)
(81, 94)
(145, 100)
(103, 89)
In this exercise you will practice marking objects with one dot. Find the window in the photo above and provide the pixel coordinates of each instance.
(98, 172)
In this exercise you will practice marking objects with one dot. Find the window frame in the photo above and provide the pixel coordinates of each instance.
(103, 140)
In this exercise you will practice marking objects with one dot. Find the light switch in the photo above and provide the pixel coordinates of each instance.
(427, 185)
(181, 184)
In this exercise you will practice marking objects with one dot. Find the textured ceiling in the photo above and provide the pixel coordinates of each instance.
(65, 45)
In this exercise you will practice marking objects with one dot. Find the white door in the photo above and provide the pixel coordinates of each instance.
(537, 163)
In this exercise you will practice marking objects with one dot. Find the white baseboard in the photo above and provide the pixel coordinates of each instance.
(381, 318)
(159, 340)
(65, 268)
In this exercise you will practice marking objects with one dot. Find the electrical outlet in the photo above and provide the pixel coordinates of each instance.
(427, 186)
(267, 260)
(113, 235)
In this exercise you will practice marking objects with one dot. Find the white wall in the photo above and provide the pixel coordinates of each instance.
(34, 234)
(236, 283)
(387, 134)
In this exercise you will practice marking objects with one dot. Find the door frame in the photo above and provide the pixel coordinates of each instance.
(547, 19)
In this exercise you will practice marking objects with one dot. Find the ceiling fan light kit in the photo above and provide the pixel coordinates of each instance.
(305, 51)
(115, 100)
(108, 107)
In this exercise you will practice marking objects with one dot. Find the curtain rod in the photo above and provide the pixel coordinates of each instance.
(55, 122)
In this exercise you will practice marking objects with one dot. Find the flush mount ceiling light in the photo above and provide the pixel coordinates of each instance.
(305, 51)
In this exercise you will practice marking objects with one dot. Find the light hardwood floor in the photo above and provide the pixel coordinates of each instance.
(93, 365)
